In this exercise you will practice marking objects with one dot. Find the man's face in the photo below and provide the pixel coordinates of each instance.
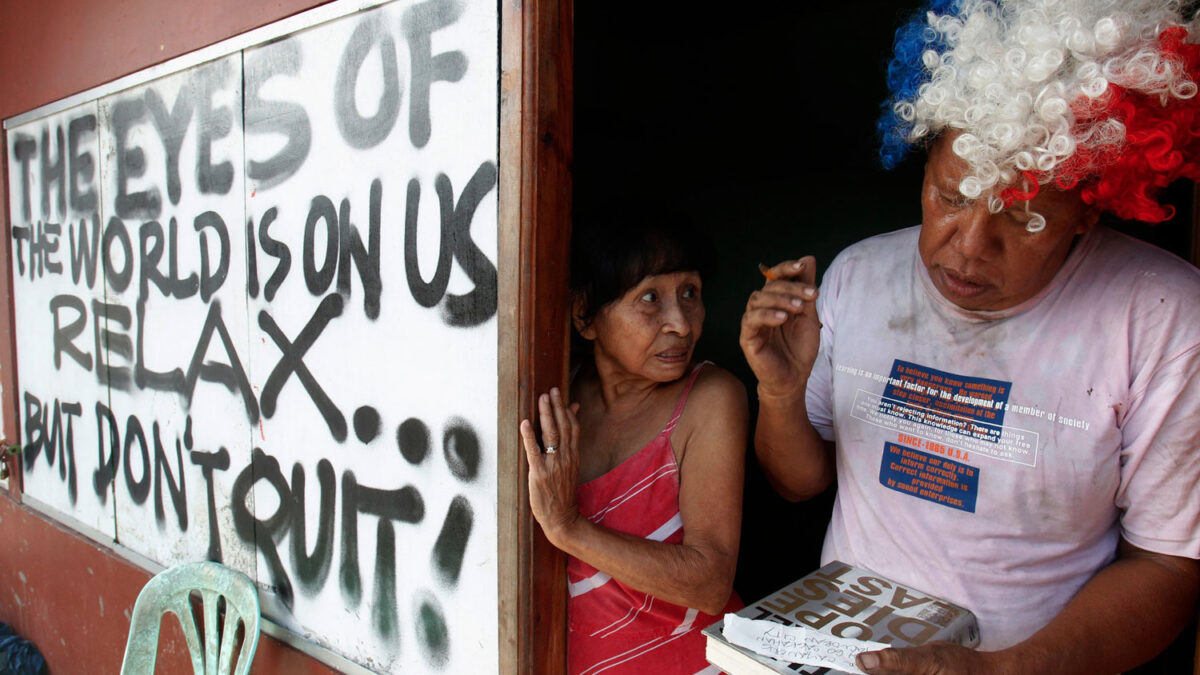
(987, 261)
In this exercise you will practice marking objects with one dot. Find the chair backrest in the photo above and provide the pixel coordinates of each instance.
(173, 590)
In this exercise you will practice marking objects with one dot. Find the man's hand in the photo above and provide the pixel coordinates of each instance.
(780, 338)
(934, 658)
(780, 331)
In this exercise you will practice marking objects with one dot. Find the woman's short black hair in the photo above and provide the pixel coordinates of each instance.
(612, 253)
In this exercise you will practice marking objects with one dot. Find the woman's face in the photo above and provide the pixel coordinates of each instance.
(651, 330)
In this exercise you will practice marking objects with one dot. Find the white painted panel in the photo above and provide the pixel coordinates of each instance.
(174, 182)
(392, 392)
(54, 197)
(287, 357)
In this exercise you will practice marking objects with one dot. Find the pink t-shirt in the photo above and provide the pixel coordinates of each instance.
(995, 458)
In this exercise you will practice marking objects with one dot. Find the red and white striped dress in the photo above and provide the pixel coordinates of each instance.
(616, 629)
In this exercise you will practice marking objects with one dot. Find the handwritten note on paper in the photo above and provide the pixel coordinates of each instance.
(797, 644)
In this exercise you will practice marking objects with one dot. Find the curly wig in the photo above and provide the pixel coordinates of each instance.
(1095, 94)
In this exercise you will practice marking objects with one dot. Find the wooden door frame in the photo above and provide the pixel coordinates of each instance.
(536, 149)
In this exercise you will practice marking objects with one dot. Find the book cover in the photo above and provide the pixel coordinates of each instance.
(849, 602)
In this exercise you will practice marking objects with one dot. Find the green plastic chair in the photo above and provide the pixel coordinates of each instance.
(173, 590)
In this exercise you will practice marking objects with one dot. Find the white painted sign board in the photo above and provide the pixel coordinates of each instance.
(256, 323)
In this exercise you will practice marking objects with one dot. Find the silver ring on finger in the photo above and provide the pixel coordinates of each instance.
(551, 449)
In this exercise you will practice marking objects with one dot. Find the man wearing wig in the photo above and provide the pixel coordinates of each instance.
(1008, 396)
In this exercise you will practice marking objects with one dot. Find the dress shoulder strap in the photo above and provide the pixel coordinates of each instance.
(687, 389)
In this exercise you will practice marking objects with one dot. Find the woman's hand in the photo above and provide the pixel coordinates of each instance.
(780, 330)
(553, 474)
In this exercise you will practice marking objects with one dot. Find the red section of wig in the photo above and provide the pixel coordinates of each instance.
(1162, 137)
(1012, 194)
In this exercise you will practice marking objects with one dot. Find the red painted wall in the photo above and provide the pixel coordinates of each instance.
(71, 597)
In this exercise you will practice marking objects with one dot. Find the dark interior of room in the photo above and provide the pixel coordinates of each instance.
(759, 126)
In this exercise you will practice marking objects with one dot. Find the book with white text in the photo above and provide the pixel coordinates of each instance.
(849, 602)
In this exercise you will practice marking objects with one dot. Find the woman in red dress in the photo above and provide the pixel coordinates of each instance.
(639, 479)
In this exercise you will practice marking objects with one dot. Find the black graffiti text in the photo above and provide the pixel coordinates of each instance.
(136, 453)
(37, 243)
(275, 117)
(417, 24)
(65, 170)
(311, 554)
(193, 105)
(115, 350)
(343, 253)
(329, 229)
(50, 429)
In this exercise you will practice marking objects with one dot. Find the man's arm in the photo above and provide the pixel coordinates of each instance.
(1124, 616)
(780, 337)
(799, 463)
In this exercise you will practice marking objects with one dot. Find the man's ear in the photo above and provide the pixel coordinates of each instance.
(583, 326)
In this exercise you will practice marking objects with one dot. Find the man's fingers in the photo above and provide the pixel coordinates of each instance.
(808, 270)
(883, 662)
(753, 322)
(928, 659)
(789, 287)
(803, 269)
(784, 296)
(784, 270)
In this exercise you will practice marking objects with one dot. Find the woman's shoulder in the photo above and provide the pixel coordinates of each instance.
(716, 390)
(715, 417)
(711, 375)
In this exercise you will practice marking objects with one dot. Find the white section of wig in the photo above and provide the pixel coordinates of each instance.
(1015, 72)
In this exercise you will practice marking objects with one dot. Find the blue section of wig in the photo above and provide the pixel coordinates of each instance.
(905, 74)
